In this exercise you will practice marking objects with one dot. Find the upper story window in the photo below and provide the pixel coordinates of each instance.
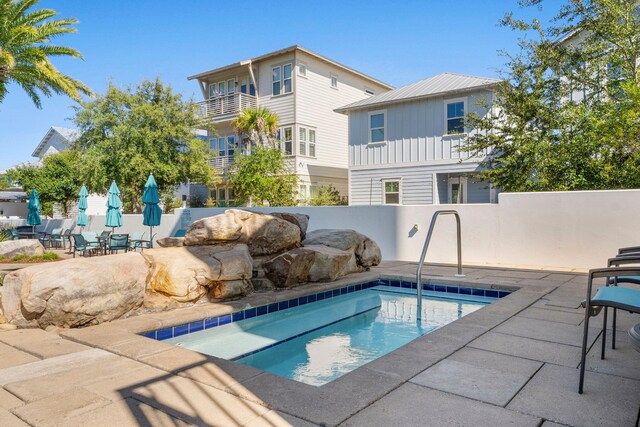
(231, 86)
(281, 79)
(212, 90)
(377, 126)
(223, 146)
(285, 140)
(391, 189)
(307, 141)
(334, 80)
(455, 117)
(221, 90)
(302, 69)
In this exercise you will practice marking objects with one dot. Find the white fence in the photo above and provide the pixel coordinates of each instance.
(561, 229)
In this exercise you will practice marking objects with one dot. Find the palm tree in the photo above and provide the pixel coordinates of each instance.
(259, 125)
(25, 51)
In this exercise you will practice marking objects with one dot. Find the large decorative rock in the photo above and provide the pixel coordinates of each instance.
(291, 268)
(30, 247)
(329, 263)
(170, 242)
(230, 289)
(264, 234)
(75, 292)
(301, 220)
(188, 273)
(365, 251)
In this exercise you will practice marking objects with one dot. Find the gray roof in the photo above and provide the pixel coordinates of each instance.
(13, 196)
(281, 52)
(69, 134)
(441, 84)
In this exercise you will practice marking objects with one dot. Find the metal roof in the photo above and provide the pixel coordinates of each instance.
(281, 52)
(13, 196)
(441, 84)
(69, 134)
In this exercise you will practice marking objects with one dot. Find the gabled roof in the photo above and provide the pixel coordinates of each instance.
(441, 84)
(69, 135)
(281, 52)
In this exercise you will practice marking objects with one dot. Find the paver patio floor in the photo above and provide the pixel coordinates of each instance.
(511, 363)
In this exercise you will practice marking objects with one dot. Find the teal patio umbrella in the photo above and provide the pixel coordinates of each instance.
(114, 216)
(33, 216)
(152, 212)
(82, 207)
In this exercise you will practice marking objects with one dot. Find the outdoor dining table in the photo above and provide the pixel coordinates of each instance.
(27, 234)
(102, 241)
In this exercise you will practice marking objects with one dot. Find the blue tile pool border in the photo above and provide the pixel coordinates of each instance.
(213, 322)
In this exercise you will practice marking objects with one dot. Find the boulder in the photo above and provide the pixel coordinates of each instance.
(301, 220)
(365, 251)
(263, 234)
(188, 273)
(291, 268)
(75, 292)
(30, 247)
(230, 289)
(170, 242)
(329, 263)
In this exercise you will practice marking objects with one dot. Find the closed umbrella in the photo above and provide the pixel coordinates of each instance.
(33, 216)
(114, 216)
(152, 212)
(82, 207)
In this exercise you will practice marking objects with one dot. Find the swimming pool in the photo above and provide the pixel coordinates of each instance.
(320, 337)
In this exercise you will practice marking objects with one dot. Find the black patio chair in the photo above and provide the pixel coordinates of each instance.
(118, 242)
(81, 245)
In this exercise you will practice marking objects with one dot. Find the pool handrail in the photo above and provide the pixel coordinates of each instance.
(424, 253)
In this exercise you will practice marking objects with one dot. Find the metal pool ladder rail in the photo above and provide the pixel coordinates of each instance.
(424, 253)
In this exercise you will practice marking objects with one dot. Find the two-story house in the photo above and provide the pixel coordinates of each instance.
(303, 88)
(406, 145)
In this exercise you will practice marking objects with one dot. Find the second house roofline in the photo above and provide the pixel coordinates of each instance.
(283, 51)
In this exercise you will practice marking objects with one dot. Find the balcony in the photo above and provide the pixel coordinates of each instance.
(225, 107)
(221, 163)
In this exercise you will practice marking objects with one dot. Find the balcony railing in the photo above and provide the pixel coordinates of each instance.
(222, 107)
(221, 163)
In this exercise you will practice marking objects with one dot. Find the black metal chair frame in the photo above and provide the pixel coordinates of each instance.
(613, 275)
(122, 243)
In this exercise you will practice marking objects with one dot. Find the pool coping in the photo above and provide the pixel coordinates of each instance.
(330, 403)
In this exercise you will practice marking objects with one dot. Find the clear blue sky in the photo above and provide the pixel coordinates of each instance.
(125, 42)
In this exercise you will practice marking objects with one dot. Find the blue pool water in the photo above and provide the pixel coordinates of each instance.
(318, 342)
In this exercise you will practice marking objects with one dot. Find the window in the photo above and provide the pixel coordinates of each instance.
(231, 142)
(231, 196)
(455, 117)
(285, 138)
(222, 197)
(303, 192)
(213, 144)
(307, 141)
(221, 88)
(376, 127)
(223, 146)
(312, 142)
(281, 79)
(334, 81)
(303, 141)
(212, 90)
(231, 86)
(391, 192)
(302, 69)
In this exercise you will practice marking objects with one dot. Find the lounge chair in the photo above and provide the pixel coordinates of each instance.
(118, 242)
(81, 245)
(611, 295)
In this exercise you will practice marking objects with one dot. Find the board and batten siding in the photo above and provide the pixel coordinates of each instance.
(414, 132)
(416, 185)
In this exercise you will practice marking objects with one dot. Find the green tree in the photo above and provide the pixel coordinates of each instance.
(25, 50)
(328, 196)
(566, 115)
(263, 177)
(129, 133)
(56, 180)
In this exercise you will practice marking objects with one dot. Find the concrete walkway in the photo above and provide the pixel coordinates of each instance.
(513, 362)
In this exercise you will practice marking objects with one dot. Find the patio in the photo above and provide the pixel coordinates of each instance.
(513, 362)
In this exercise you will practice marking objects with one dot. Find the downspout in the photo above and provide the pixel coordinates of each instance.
(255, 84)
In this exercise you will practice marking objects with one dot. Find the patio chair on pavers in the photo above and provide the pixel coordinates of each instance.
(81, 245)
(611, 295)
(55, 238)
(66, 238)
(118, 242)
(136, 237)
